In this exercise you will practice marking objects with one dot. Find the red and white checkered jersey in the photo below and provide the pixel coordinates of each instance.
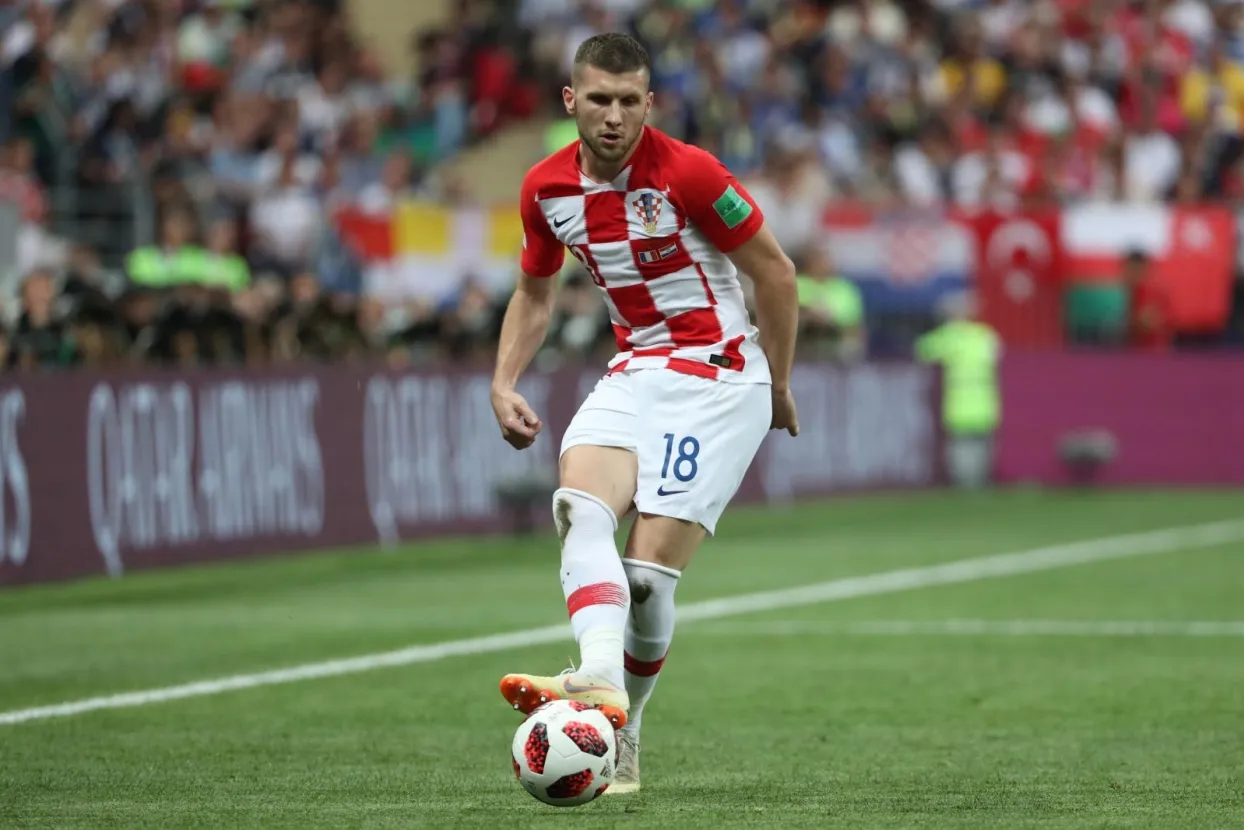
(655, 240)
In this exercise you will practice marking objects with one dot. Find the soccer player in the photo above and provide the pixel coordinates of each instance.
(660, 226)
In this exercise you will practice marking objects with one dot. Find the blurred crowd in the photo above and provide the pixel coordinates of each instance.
(170, 168)
(1000, 103)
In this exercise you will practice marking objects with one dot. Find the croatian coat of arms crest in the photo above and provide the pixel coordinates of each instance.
(648, 209)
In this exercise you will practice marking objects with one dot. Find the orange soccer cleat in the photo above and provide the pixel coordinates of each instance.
(528, 692)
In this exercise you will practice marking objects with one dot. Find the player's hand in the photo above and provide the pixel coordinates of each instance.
(519, 424)
(784, 415)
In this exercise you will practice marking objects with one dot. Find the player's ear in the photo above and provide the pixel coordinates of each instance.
(568, 99)
(648, 104)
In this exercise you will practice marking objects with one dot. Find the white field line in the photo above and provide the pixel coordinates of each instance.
(1000, 628)
(964, 570)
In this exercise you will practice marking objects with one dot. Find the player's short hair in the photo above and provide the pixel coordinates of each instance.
(614, 52)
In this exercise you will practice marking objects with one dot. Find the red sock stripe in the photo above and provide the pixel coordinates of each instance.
(643, 668)
(600, 593)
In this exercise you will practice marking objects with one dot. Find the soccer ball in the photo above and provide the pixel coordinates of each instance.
(565, 753)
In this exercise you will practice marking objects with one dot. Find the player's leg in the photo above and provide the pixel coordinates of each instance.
(697, 439)
(597, 486)
(597, 477)
(657, 552)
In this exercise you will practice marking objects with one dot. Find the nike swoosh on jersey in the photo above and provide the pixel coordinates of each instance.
(661, 491)
(557, 224)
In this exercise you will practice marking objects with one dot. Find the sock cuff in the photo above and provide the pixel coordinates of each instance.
(651, 566)
(643, 668)
(563, 492)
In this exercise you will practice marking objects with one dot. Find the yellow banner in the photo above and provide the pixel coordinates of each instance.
(420, 228)
(505, 233)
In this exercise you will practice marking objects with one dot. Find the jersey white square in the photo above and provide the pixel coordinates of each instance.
(567, 218)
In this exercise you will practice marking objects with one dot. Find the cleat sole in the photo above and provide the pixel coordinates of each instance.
(615, 715)
(523, 696)
(622, 788)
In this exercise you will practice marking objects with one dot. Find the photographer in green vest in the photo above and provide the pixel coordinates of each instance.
(968, 352)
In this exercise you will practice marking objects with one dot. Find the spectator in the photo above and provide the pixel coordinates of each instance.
(1148, 306)
(19, 182)
(793, 190)
(286, 221)
(923, 168)
(967, 66)
(177, 260)
(87, 281)
(223, 265)
(394, 185)
(993, 177)
(1151, 156)
(40, 338)
(286, 145)
(831, 309)
(1213, 94)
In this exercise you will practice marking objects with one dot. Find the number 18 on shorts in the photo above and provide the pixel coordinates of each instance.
(694, 437)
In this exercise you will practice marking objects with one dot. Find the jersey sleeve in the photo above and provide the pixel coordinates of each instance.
(714, 201)
(543, 253)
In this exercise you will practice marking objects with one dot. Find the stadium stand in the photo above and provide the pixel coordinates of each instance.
(207, 181)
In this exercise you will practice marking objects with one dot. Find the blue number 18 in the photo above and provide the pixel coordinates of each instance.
(685, 465)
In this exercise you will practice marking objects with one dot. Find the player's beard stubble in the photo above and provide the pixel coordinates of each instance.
(606, 152)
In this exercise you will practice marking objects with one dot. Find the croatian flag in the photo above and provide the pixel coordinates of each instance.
(903, 261)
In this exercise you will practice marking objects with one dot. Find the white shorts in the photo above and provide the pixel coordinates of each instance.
(694, 437)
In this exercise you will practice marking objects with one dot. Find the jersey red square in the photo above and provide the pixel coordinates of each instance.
(635, 304)
(698, 327)
(606, 216)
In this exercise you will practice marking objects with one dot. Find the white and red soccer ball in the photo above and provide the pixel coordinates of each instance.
(565, 753)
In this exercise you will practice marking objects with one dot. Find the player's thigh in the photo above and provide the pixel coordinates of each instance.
(696, 438)
(598, 452)
(608, 473)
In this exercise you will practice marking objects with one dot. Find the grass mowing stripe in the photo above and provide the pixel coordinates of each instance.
(964, 570)
(1001, 628)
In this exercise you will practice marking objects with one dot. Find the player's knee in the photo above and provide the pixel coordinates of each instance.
(608, 473)
(665, 541)
(577, 508)
(647, 577)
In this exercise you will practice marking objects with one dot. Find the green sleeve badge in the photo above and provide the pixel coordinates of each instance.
(732, 208)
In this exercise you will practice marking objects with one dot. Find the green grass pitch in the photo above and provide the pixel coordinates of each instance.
(864, 712)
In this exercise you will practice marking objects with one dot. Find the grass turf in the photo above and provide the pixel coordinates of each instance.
(748, 727)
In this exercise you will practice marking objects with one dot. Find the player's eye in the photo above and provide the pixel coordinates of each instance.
(599, 99)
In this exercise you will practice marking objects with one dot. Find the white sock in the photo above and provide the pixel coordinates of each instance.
(593, 581)
(648, 631)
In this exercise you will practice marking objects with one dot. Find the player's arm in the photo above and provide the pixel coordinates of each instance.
(777, 300)
(725, 212)
(526, 323)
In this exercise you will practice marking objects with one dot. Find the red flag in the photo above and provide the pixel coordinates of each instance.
(370, 236)
(1017, 276)
(1198, 268)
(1193, 253)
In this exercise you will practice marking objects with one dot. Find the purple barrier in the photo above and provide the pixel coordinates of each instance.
(108, 473)
(1177, 419)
